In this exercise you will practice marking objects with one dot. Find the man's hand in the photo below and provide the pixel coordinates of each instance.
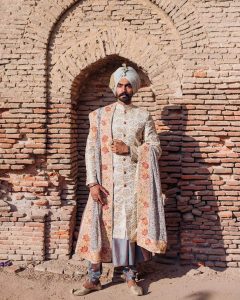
(98, 193)
(119, 147)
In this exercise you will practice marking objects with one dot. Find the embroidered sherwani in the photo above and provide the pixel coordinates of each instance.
(134, 126)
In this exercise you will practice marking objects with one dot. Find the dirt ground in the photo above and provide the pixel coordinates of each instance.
(161, 281)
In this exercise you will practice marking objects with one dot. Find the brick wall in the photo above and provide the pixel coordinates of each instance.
(56, 58)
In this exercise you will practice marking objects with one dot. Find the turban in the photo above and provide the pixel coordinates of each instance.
(125, 72)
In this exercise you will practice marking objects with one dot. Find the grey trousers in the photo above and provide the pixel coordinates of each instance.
(125, 254)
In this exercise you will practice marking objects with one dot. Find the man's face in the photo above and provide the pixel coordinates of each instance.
(124, 91)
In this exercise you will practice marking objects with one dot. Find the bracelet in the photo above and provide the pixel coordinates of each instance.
(93, 184)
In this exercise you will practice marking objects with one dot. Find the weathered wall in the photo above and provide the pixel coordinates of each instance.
(56, 58)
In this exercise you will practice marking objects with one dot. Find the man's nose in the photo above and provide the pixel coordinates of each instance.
(125, 88)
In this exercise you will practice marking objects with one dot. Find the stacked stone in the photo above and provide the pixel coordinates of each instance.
(55, 61)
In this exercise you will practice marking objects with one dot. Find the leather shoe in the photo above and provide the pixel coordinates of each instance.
(87, 288)
(134, 288)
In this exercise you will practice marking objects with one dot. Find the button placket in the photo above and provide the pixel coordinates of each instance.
(125, 127)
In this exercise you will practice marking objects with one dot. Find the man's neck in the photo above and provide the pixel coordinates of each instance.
(124, 103)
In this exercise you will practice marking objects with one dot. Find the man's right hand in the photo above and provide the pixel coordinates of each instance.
(98, 193)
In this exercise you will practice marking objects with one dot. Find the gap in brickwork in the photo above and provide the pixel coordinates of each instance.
(5, 189)
(24, 188)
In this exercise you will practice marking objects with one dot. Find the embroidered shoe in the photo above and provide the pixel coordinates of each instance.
(134, 288)
(87, 288)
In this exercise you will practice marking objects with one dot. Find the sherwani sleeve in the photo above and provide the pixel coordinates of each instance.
(90, 153)
(150, 137)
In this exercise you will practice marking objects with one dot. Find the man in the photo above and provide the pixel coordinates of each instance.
(123, 221)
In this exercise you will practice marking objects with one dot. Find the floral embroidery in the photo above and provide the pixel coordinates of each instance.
(145, 221)
(94, 129)
(145, 165)
(147, 242)
(145, 205)
(84, 249)
(104, 167)
(104, 138)
(86, 237)
(105, 150)
(145, 176)
(105, 207)
(144, 239)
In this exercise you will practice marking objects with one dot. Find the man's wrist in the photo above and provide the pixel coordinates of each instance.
(92, 184)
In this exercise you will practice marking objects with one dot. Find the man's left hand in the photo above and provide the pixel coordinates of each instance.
(119, 147)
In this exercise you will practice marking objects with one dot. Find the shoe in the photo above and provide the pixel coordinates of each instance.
(134, 288)
(87, 288)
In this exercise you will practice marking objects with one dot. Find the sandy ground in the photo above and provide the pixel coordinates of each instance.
(166, 282)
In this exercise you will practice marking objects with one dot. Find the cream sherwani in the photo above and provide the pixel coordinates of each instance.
(134, 126)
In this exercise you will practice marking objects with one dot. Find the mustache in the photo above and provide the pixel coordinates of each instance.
(124, 94)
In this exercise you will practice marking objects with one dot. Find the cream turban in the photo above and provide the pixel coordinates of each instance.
(125, 72)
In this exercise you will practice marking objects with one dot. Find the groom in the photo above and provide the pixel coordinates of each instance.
(123, 221)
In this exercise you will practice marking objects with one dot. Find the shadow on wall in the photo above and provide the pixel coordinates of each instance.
(194, 228)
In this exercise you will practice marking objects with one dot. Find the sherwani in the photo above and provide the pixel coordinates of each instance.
(134, 126)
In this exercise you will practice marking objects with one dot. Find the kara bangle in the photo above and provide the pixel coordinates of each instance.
(93, 184)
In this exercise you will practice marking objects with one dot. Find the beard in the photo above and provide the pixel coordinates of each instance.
(125, 97)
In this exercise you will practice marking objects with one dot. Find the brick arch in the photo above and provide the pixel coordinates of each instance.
(147, 55)
(182, 14)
